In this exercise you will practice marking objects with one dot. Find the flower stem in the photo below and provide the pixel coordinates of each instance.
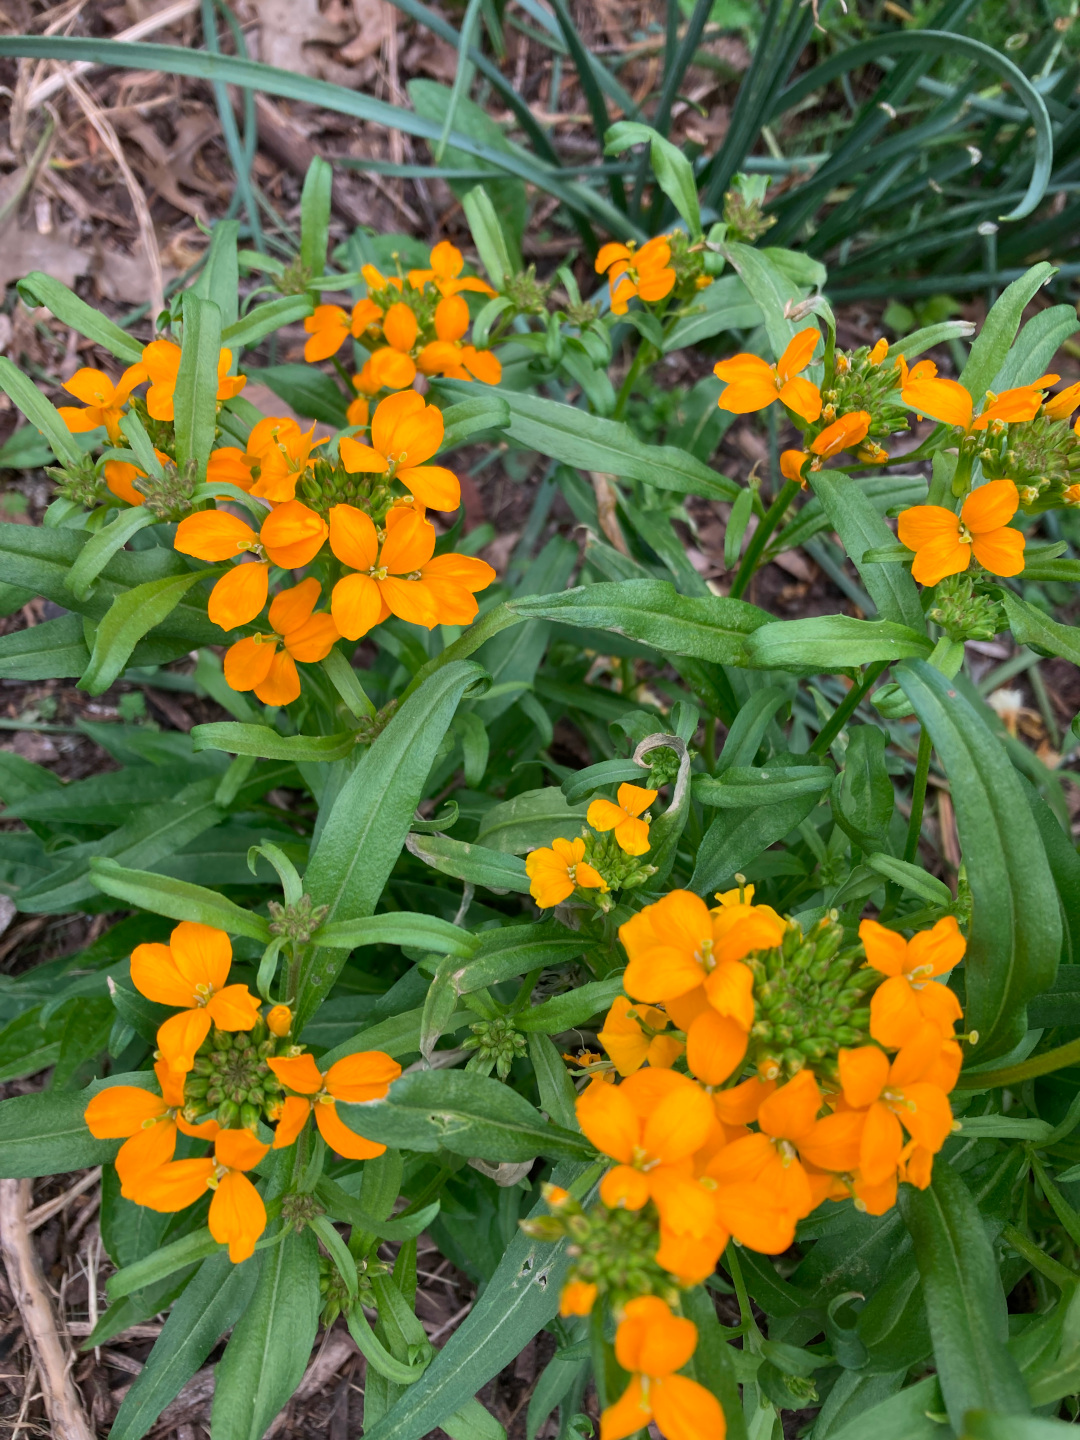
(918, 796)
(850, 703)
(1043, 1064)
(758, 540)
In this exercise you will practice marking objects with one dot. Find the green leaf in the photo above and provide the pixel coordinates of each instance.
(219, 280)
(928, 336)
(179, 900)
(1032, 626)
(126, 622)
(1035, 347)
(270, 1345)
(198, 1245)
(45, 1133)
(465, 1113)
(652, 611)
(554, 1087)
(473, 864)
(315, 216)
(470, 417)
(197, 384)
(590, 442)
(531, 819)
(771, 288)
(100, 548)
(422, 932)
(307, 390)
(489, 237)
(263, 320)
(40, 289)
(211, 1304)
(342, 1206)
(726, 304)
(570, 1010)
(980, 1426)
(1015, 938)
(964, 1299)
(55, 650)
(832, 642)
(673, 171)
(39, 412)
(370, 818)
(860, 526)
(911, 877)
(737, 837)
(991, 345)
(863, 797)
(268, 744)
(906, 1416)
(892, 1325)
(746, 786)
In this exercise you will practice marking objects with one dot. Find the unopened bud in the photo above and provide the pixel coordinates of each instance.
(279, 1021)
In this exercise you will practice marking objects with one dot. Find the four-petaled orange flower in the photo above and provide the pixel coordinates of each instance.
(399, 575)
(631, 832)
(645, 273)
(753, 384)
(895, 1094)
(330, 326)
(405, 432)
(237, 1214)
(191, 973)
(356, 1079)
(103, 400)
(446, 355)
(911, 997)
(554, 873)
(392, 367)
(945, 542)
(928, 393)
(447, 263)
(290, 536)
(255, 663)
(147, 1123)
(843, 434)
(630, 1046)
(652, 1344)
(281, 452)
(161, 366)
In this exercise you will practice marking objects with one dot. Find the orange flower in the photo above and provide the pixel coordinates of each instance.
(190, 973)
(1058, 407)
(405, 431)
(645, 273)
(290, 536)
(147, 1123)
(631, 832)
(229, 465)
(254, 663)
(446, 355)
(161, 366)
(329, 327)
(237, 1214)
(944, 542)
(120, 477)
(843, 434)
(678, 946)
(356, 1079)
(104, 401)
(892, 1095)
(878, 353)
(753, 384)
(282, 454)
(792, 463)
(931, 394)
(715, 1046)
(279, 1020)
(554, 873)
(577, 1297)
(651, 1125)
(392, 367)
(652, 1344)
(399, 576)
(447, 263)
(910, 998)
(630, 1046)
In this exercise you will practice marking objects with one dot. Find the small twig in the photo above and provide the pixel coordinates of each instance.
(63, 1406)
(28, 1397)
(448, 1324)
(41, 1213)
(607, 500)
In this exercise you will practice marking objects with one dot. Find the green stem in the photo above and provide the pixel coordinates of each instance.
(641, 360)
(759, 539)
(746, 1310)
(1046, 1265)
(500, 618)
(918, 796)
(847, 707)
(1043, 1064)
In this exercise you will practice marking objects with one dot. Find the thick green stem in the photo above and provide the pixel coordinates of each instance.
(641, 360)
(760, 537)
(1043, 1064)
(1053, 1270)
(847, 707)
(488, 625)
(918, 796)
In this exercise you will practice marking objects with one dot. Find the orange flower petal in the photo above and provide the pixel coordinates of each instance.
(1001, 551)
(356, 605)
(990, 506)
(357, 459)
(155, 974)
(834, 1142)
(730, 991)
(292, 608)
(802, 397)
(409, 600)
(755, 1217)
(715, 1047)
(797, 354)
(746, 397)
(233, 1008)
(409, 543)
(685, 1410)
(944, 400)
(213, 535)
(927, 1115)
(882, 1142)
(864, 1072)
(121, 1110)
(895, 1015)
(367, 1075)
(312, 641)
(353, 538)
(433, 485)
(293, 1118)
(941, 949)
(237, 1215)
(609, 1120)
(940, 558)
(292, 534)
(679, 1125)
(146, 1150)
(239, 596)
(624, 1188)
(171, 1187)
(923, 524)
(247, 663)
(631, 1412)
(791, 1110)
(885, 949)
(181, 1035)
(340, 1138)
(201, 953)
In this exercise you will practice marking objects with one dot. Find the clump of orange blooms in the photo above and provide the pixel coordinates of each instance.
(225, 1071)
(604, 858)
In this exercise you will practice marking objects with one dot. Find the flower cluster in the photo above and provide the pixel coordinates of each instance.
(665, 266)
(224, 1071)
(593, 865)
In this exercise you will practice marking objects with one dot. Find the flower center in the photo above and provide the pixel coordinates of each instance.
(786, 1151)
(203, 991)
(965, 534)
(378, 572)
(704, 954)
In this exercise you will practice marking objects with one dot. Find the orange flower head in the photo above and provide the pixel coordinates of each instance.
(459, 362)
(405, 433)
(944, 542)
(355, 1080)
(256, 663)
(328, 326)
(399, 574)
(753, 384)
(646, 273)
(279, 1020)
(631, 1037)
(653, 1344)
(147, 1123)
(554, 873)
(282, 454)
(577, 1297)
(190, 973)
(161, 364)
(104, 401)
(909, 998)
(843, 434)
(894, 1095)
(631, 831)
(447, 263)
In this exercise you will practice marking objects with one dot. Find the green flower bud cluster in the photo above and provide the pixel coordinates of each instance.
(529, 294)
(80, 483)
(663, 764)
(334, 1291)
(296, 922)
(170, 497)
(744, 207)
(620, 871)
(325, 484)
(370, 730)
(294, 279)
(811, 999)
(964, 612)
(231, 1076)
(614, 1250)
(1042, 457)
(859, 384)
(497, 1044)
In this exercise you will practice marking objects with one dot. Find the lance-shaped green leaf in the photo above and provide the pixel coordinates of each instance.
(178, 899)
(466, 1113)
(535, 817)
(489, 236)
(100, 548)
(195, 400)
(855, 519)
(472, 864)
(964, 1299)
(673, 171)
(1015, 938)
(911, 877)
(126, 622)
(55, 650)
(370, 817)
(862, 796)
(39, 412)
(315, 216)
(1032, 626)
(565, 1012)
(652, 611)
(40, 289)
(220, 277)
(744, 786)
(998, 330)
(832, 642)
(263, 320)
(45, 1134)
(342, 1206)
(260, 740)
(188, 1250)
(422, 932)
(772, 289)
(736, 837)
(471, 417)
